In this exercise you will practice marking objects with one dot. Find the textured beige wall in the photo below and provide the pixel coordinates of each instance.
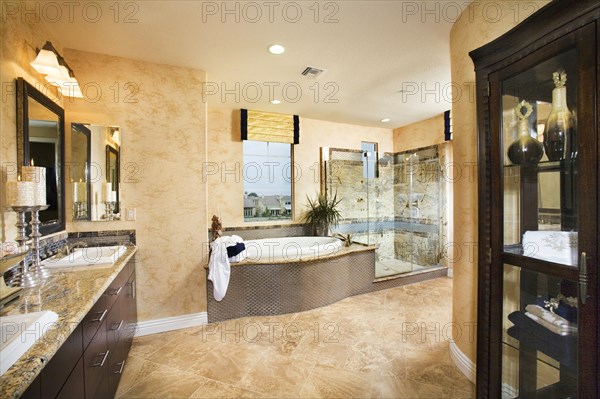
(19, 41)
(163, 125)
(420, 134)
(474, 29)
(226, 189)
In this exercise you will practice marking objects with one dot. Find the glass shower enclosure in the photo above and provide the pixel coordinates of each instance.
(394, 202)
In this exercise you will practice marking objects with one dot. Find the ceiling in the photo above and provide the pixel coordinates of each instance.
(370, 50)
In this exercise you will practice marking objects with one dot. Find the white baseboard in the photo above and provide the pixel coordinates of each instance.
(464, 364)
(450, 272)
(171, 323)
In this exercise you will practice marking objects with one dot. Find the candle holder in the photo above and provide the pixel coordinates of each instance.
(37, 268)
(80, 211)
(110, 206)
(25, 277)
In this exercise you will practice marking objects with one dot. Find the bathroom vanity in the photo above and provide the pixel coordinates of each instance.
(84, 353)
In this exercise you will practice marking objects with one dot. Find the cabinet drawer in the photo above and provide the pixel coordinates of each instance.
(62, 363)
(92, 321)
(74, 387)
(95, 360)
(115, 289)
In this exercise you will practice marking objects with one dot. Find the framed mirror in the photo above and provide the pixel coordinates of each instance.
(112, 173)
(40, 142)
(95, 172)
(81, 147)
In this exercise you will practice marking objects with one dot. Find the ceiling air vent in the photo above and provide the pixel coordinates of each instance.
(312, 72)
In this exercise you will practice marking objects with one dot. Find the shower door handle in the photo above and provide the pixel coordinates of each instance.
(583, 278)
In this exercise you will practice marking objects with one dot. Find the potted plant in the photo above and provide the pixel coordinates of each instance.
(322, 213)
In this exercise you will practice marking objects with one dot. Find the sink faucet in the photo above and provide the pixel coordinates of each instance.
(68, 248)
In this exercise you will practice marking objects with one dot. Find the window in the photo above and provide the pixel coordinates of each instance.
(267, 172)
(370, 165)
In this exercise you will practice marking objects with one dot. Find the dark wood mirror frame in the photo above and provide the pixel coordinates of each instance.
(25, 91)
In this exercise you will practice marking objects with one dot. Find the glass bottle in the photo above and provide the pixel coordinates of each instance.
(559, 132)
(525, 150)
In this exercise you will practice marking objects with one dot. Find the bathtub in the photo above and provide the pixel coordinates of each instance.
(290, 249)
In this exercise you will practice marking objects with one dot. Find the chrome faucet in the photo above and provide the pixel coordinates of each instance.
(68, 248)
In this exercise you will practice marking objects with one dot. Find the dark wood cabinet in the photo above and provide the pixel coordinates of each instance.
(538, 309)
(90, 362)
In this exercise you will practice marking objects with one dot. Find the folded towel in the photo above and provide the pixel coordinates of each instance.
(551, 321)
(234, 250)
(559, 307)
(553, 246)
(532, 334)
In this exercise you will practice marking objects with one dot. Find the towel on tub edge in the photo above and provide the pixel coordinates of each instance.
(219, 268)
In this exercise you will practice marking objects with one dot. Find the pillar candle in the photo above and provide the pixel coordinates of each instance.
(20, 193)
(113, 196)
(106, 192)
(36, 175)
(80, 192)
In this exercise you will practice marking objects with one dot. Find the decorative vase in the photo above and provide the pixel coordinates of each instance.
(560, 127)
(525, 150)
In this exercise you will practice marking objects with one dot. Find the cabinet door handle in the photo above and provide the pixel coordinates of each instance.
(115, 291)
(104, 357)
(583, 278)
(120, 368)
(118, 327)
(102, 316)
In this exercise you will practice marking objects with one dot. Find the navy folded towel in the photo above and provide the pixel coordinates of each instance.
(235, 249)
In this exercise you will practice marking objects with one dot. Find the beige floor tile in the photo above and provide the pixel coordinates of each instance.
(210, 389)
(135, 371)
(331, 382)
(164, 383)
(277, 376)
(391, 344)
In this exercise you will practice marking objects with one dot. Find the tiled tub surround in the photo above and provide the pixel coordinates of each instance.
(69, 294)
(293, 285)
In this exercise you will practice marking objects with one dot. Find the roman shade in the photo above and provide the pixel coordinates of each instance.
(268, 126)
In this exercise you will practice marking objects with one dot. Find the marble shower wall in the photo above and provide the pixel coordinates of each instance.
(380, 212)
(162, 119)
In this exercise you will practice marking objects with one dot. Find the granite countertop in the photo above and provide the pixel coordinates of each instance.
(342, 251)
(70, 294)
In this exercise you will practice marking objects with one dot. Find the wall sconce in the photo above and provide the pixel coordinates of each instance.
(50, 63)
(115, 135)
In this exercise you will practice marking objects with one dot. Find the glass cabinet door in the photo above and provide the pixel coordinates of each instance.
(538, 150)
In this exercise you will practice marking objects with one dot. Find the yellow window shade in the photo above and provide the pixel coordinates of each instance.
(267, 126)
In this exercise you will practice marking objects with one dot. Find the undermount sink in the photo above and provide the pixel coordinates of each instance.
(87, 257)
(19, 333)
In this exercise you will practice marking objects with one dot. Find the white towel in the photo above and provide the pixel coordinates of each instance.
(553, 246)
(551, 321)
(219, 268)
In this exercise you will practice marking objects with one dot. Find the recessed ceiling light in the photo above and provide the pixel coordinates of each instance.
(276, 49)
(385, 120)
(275, 102)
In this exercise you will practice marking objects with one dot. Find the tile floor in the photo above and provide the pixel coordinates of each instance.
(386, 344)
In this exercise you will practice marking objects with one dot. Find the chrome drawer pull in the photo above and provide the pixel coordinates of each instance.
(102, 316)
(121, 368)
(583, 278)
(118, 327)
(115, 291)
(104, 357)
